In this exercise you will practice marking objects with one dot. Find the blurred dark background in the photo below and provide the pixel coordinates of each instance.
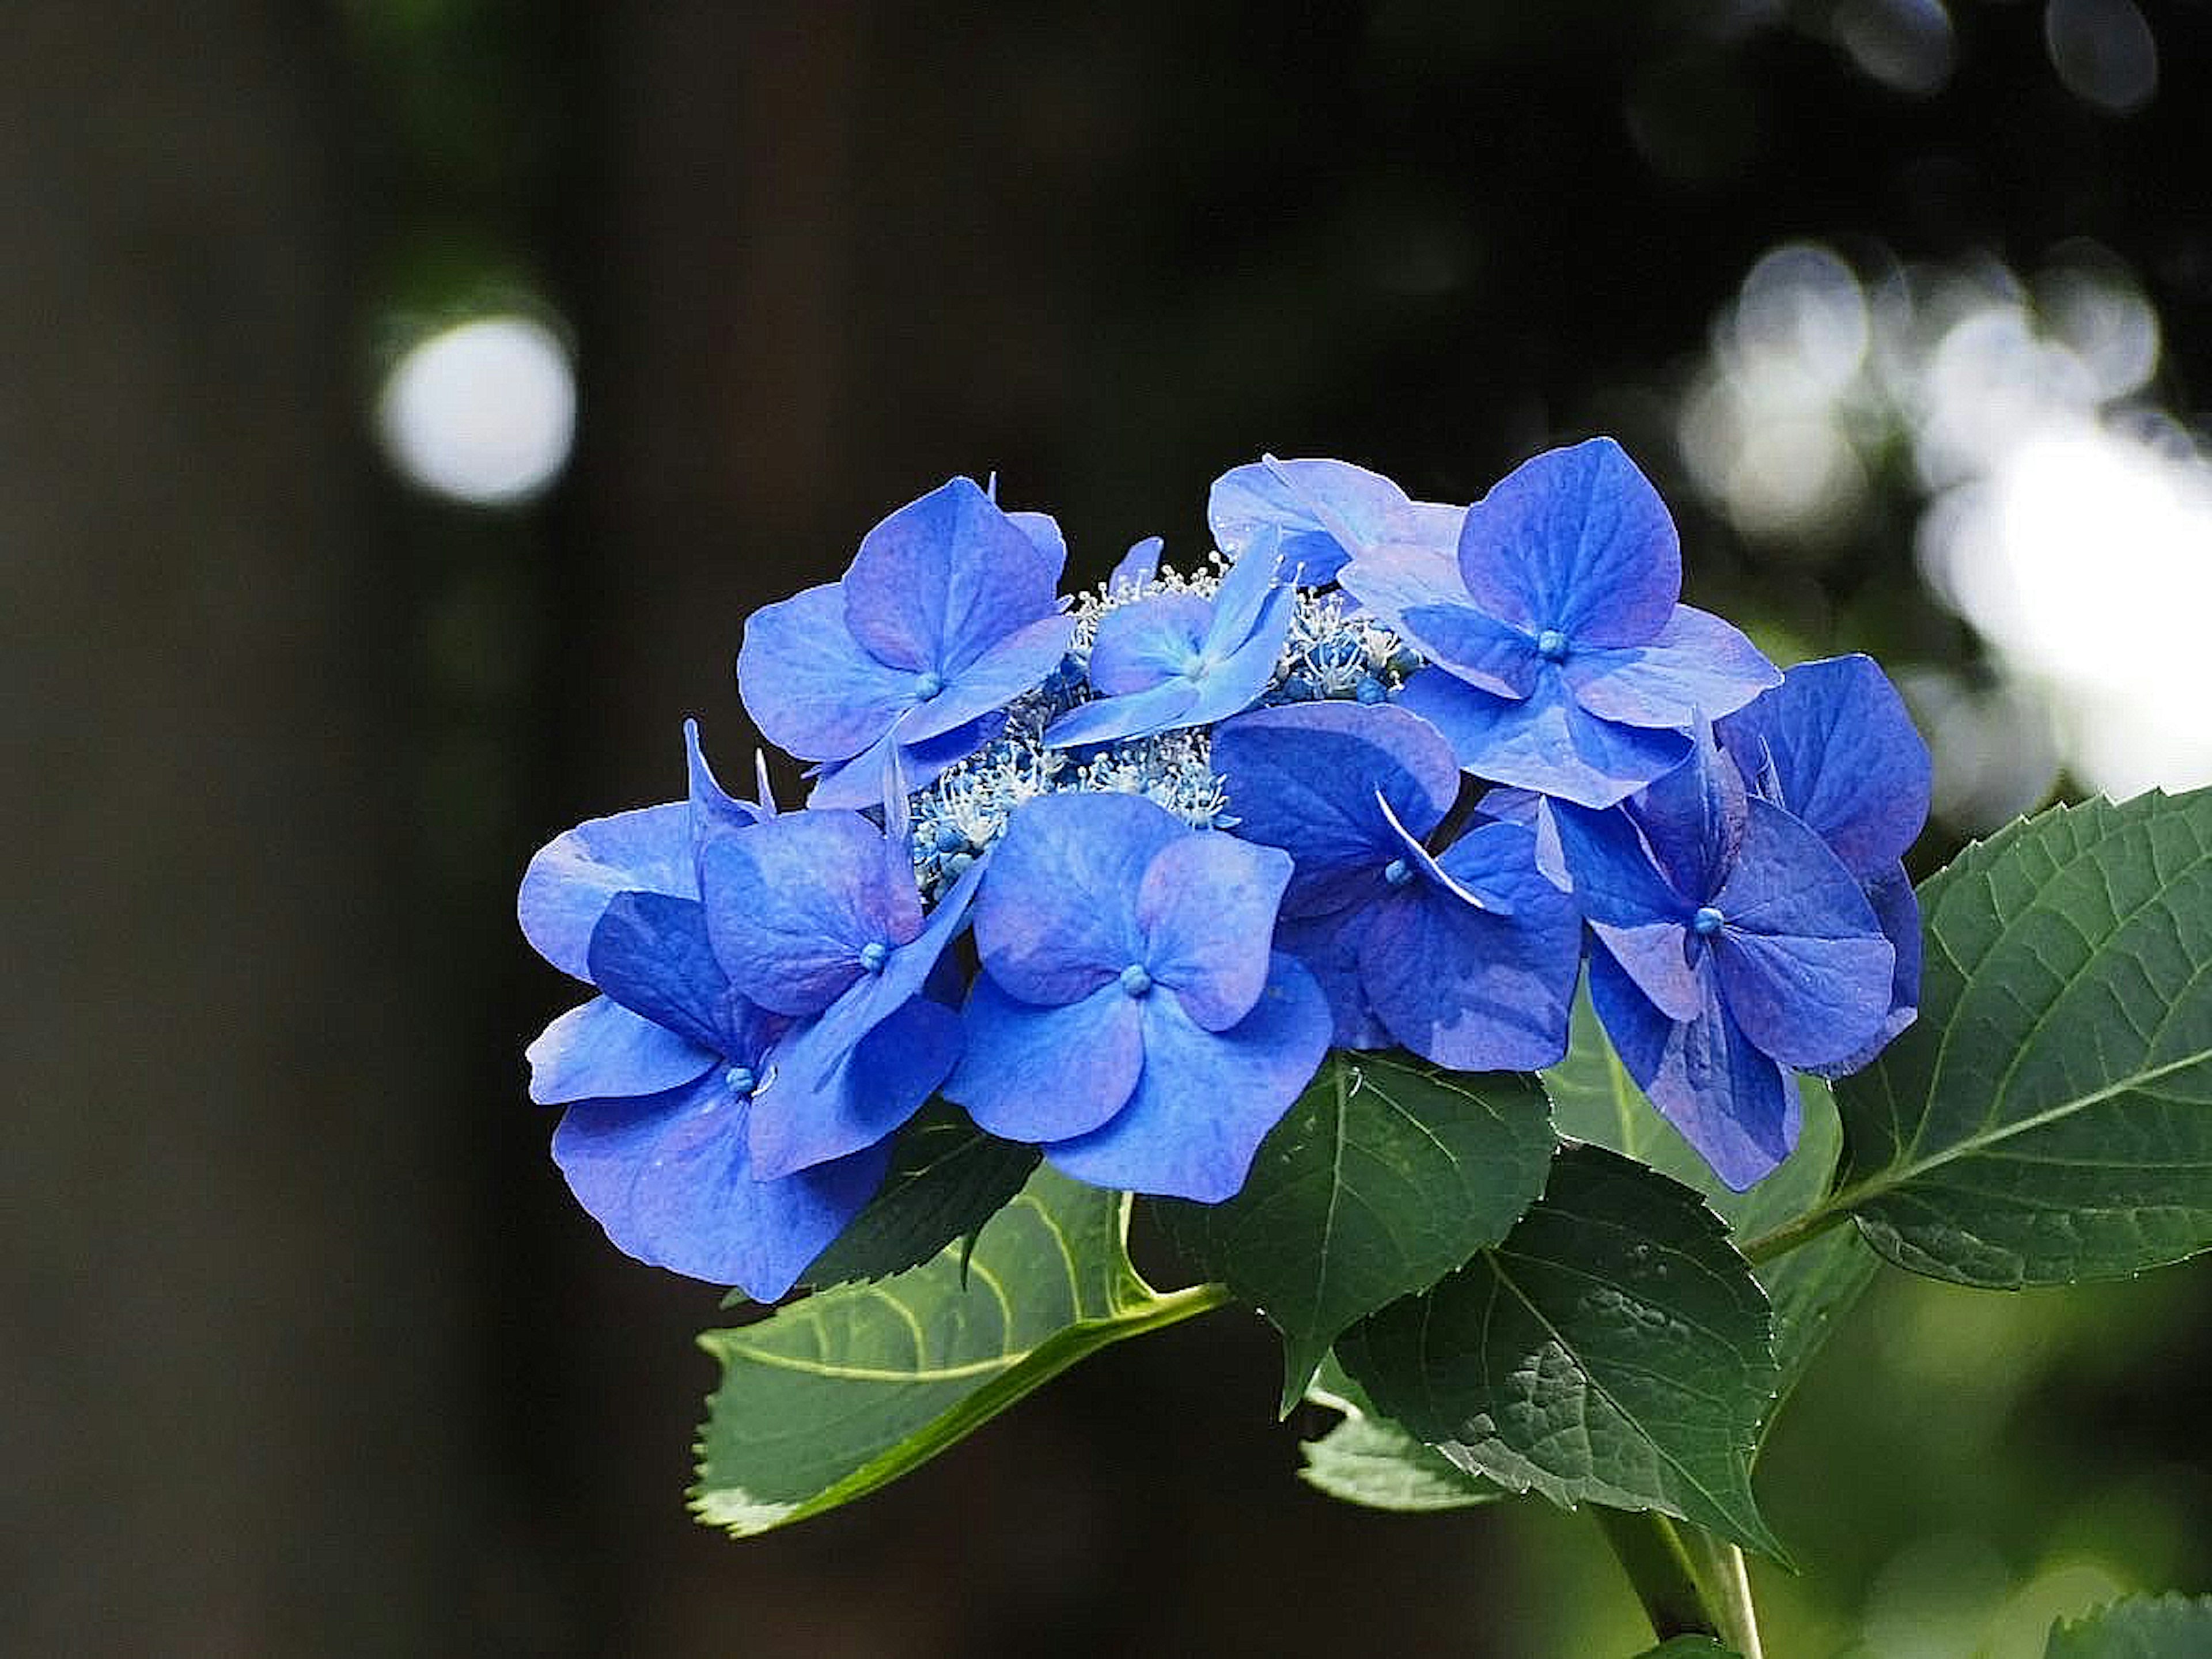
(403, 403)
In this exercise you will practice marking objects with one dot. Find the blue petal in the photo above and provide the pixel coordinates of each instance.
(1205, 1099)
(1014, 665)
(1845, 757)
(1056, 917)
(860, 1098)
(670, 1180)
(603, 1049)
(858, 783)
(944, 579)
(1324, 512)
(791, 903)
(810, 686)
(1576, 539)
(1139, 565)
(1043, 530)
(1545, 742)
(1141, 645)
(1693, 818)
(1305, 777)
(1108, 720)
(1328, 947)
(1641, 920)
(1735, 1105)
(1415, 589)
(1470, 990)
(566, 887)
(1233, 684)
(1418, 858)
(1239, 600)
(651, 954)
(1696, 664)
(714, 807)
(1207, 906)
(1037, 1074)
(1890, 893)
(1802, 957)
(875, 997)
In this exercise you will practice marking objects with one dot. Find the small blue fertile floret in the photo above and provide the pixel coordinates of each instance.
(1559, 660)
(1130, 1016)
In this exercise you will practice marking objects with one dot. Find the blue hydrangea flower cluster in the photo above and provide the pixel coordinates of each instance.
(1114, 872)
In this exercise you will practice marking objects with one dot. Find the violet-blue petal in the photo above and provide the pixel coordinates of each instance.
(1692, 818)
(1001, 672)
(1419, 861)
(1576, 539)
(1696, 664)
(1545, 742)
(1737, 1106)
(1043, 530)
(650, 952)
(1328, 947)
(1469, 989)
(1845, 756)
(1233, 683)
(1207, 906)
(1138, 565)
(1165, 708)
(1205, 1099)
(1241, 596)
(1142, 644)
(945, 578)
(1035, 1073)
(861, 1096)
(603, 1049)
(905, 970)
(1800, 956)
(712, 806)
(1055, 919)
(1890, 893)
(1324, 512)
(810, 686)
(571, 879)
(792, 903)
(1413, 587)
(670, 1179)
(1637, 915)
(855, 784)
(1305, 777)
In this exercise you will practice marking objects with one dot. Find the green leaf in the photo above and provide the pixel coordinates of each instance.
(1614, 1349)
(2049, 1116)
(1689, 1647)
(1366, 1459)
(947, 1178)
(832, 1396)
(1594, 1099)
(2139, 1627)
(1385, 1175)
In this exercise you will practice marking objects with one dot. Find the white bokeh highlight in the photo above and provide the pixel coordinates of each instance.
(482, 412)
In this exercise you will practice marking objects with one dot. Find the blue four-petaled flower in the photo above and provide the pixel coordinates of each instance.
(1130, 1016)
(948, 612)
(1467, 957)
(1732, 946)
(1560, 660)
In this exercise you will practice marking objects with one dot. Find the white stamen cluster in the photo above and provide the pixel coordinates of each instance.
(1328, 654)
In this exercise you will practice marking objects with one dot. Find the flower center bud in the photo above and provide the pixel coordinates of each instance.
(1552, 645)
(874, 954)
(739, 1080)
(928, 684)
(1195, 666)
(1136, 980)
(1707, 921)
(1397, 873)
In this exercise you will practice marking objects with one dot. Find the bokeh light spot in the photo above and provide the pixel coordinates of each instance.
(482, 412)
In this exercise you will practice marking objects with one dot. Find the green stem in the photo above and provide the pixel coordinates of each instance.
(1651, 1549)
(1792, 1234)
(1727, 1583)
(1690, 1583)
